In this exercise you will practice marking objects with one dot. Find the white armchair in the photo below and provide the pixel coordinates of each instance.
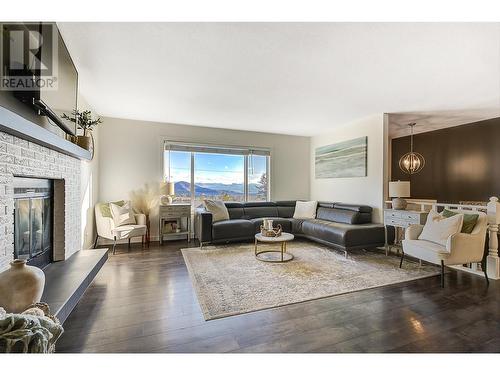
(460, 248)
(106, 227)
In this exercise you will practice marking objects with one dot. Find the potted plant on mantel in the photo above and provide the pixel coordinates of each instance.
(83, 121)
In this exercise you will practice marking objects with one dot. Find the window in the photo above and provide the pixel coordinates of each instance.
(180, 172)
(215, 172)
(257, 178)
(218, 176)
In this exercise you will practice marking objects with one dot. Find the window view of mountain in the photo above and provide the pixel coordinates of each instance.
(228, 192)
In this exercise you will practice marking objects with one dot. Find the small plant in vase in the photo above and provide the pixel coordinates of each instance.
(84, 121)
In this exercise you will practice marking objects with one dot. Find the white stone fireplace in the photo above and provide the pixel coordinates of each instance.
(22, 158)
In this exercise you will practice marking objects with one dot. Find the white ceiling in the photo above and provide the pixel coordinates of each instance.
(291, 78)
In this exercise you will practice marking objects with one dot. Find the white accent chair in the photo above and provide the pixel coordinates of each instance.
(106, 228)
(461, 248)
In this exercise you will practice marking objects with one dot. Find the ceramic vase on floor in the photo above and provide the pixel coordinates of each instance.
(20, 286)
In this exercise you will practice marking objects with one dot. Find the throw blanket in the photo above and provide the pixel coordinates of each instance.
(33, 331)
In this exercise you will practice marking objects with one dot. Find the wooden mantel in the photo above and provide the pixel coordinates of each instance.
(18, 126)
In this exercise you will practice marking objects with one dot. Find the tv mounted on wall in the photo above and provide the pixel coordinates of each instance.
(35, 55)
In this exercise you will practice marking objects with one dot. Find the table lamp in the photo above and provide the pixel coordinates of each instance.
(398, 190)
(167, 191)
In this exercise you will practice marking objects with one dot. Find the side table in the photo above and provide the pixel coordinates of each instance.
(175, 212)
(401, 219)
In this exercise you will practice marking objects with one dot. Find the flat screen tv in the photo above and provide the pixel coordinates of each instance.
(47, 65)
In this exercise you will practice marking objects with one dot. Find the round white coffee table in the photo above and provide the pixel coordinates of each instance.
(274, 256)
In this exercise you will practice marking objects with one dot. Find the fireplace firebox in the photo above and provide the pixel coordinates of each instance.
(33, 218)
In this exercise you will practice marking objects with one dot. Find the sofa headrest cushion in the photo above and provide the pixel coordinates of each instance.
(286, 203)
(259, 204)
(233, 204)
(353, 207)
(326, 204)
(258, 212)
(343, 216)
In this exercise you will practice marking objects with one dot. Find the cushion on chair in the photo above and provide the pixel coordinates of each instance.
(438, 229)
(122, 215)
(106, 210)
(425, 250)
(217, 209)
(470, 220)
(129, 231)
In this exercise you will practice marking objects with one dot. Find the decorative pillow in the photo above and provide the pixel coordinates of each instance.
(218, 210)
(305, 210)
(438, 229)
(122, 215)
(470, 220)
(106, 211)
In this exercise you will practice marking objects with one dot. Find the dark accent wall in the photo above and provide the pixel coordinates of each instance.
(462, 162)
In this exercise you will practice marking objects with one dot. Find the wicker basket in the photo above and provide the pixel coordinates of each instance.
(275, 232)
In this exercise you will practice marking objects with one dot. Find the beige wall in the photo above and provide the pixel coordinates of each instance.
(363, 190)
(131, 155)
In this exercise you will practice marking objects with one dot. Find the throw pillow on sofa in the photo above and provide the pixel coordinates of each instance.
(305, 210)
(122, 215)
(438, 229)
(218, 210)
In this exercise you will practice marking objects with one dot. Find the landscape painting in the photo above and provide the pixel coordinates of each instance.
(344, 159)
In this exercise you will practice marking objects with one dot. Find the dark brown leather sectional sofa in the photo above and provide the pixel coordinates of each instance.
(339, 225)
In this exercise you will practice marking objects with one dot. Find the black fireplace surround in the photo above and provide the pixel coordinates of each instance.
(33, 218)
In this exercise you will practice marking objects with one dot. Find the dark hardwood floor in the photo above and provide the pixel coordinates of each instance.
(143, 301)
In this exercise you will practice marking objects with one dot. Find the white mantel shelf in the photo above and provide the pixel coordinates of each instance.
(18, 126)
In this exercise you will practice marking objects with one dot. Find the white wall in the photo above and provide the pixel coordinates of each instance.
(89, 185)
(363, 190)
(131, 155)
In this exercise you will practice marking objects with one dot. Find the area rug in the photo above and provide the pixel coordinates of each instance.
(229, 280)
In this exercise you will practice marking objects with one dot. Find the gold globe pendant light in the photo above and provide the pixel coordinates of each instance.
(411, 162)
